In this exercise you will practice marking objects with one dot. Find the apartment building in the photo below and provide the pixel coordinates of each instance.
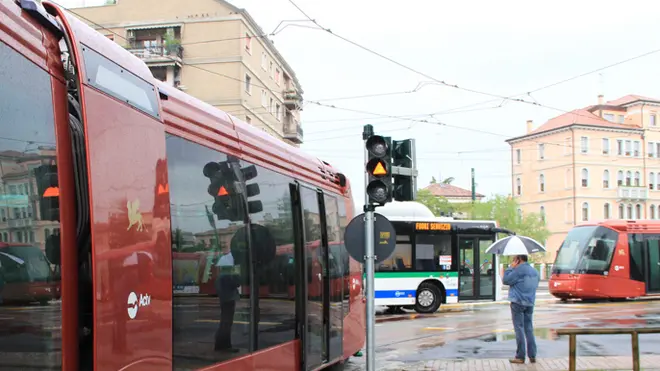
(213, 51)
(597, 162)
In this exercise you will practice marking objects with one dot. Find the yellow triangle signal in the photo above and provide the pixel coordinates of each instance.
(379, 169)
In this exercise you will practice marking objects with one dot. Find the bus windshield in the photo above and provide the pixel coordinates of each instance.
(586, 249)
(22, 264)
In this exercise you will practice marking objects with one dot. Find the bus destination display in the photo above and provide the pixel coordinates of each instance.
(432, 226)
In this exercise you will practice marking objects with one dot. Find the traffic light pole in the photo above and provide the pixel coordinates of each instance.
(369, 268)
(369, 260)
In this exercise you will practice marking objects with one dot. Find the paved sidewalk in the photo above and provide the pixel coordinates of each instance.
(649, 362)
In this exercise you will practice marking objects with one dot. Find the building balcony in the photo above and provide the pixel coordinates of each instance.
(292, 130)
(292, 100)
(160, 56)
(632, 193)
(20, 223)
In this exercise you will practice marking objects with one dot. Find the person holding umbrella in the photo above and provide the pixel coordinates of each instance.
(523, 281)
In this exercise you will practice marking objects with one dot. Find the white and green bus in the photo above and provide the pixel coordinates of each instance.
(437, 260)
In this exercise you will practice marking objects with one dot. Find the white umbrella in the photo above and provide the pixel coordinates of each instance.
(515, 245)
(14, 258)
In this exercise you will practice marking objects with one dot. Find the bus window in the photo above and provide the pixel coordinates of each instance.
(430, 249)
(27, 278)
(401, 258)
(586, 249)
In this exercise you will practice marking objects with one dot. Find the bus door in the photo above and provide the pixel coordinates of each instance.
(476, 269)
(315, 311)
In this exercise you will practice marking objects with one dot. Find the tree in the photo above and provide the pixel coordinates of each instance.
(438, 205)
(449, 180)
(505, 211)
(433, 180)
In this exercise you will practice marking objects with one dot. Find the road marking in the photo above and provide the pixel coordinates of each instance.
(437, 328)
(239, 322)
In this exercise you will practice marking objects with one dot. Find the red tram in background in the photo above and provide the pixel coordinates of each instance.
(123, 163)
(612, 259)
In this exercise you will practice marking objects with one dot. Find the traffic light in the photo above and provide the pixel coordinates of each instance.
(228, 187)
(49, 192)
(403, 170)
(379, 176)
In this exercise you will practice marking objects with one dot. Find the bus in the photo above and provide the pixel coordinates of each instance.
(436, 260)
(136, 177)
(608, 260)
(26, 275)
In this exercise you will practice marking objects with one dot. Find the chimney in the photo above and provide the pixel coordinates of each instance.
(601, 99)
(530, 126)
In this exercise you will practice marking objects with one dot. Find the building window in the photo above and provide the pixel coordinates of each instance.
(606, 146)
(585, 211)
(638, 211)
(622, 214)
(609, 117)
(542, 213)
(628, 178)
(248, 83)
(518, 156)
(652, 212)
(628, 147)
(622, 119)
(657, 181)
(277, 76)
(606, 179)
(542, 183)
(248, 43)
(569, 178)
(606, 211)
(271, 106)
(637, 148)
(567, 146)
(585, 178)
(248, 119)
(264, 98)
(651, 180)
(638, 178)
(264, 61)
(652, 122)
(619, 147)
(569, 212)
(584, 144)
(278, 113)
(270, 70)
(541, 151)
(518, 186)
(630, 212)
(650, 149)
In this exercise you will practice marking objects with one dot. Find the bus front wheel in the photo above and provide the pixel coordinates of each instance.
(428, 298)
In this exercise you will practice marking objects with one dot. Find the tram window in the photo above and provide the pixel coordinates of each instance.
(637, 250)
(197, 271)
(116, 81)
(429, 249)
(205, 330)
(26, 277)
(275, 268)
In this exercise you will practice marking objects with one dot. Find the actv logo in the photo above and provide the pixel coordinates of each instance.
(134, 303)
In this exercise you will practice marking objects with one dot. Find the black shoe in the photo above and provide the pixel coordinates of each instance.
(532, 360)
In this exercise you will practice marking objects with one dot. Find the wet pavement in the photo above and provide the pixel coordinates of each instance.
(484, 333)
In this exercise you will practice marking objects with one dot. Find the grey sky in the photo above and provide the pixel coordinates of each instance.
(498, 47)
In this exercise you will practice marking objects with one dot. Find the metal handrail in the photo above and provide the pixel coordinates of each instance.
(634, 333)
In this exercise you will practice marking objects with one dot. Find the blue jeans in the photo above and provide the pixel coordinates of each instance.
(522, 324)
